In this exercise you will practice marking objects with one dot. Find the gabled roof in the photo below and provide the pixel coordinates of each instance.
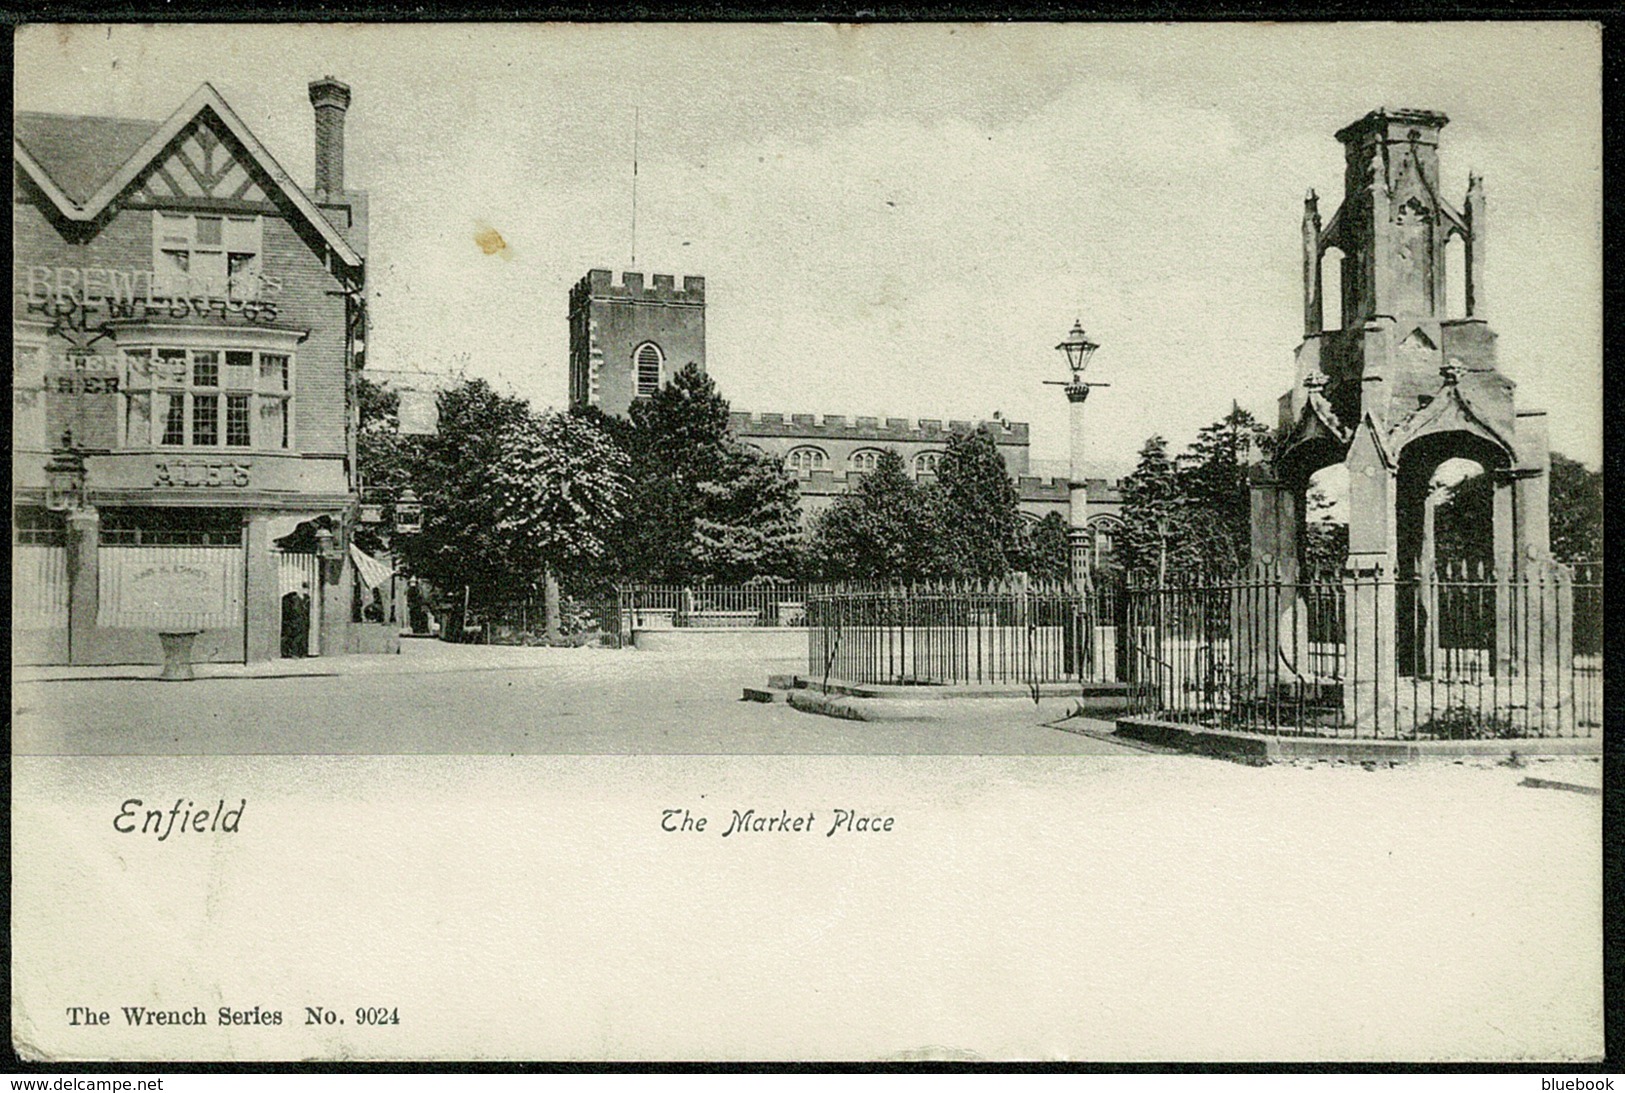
(79, 153)
(82, 164)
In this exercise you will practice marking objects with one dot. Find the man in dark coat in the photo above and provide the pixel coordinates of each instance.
(296, 622)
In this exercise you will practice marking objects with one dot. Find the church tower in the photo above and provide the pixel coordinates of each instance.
(628, 340)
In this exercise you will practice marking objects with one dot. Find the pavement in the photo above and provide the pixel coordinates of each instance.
(440, 698)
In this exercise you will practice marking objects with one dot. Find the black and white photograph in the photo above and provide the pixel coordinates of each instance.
(784, 542)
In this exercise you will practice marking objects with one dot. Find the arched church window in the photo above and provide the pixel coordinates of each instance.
(1103, 531)
(650, 362)
(803, 461)
(927, 463)
(864, 460)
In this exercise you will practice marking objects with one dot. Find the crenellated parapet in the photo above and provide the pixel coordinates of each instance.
(879, 430)
(661, 288)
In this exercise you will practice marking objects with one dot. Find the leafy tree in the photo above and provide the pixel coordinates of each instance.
(558, 489)
(384, 456)
(455, 474)
(978, 508)
(1193, 514)
(703, 505)
(885, 529)
(748, 523)
(1153, 510)
(1576, 511)
(1326, 541)
(1049, 550)
(1212, 475)
(1466, 512)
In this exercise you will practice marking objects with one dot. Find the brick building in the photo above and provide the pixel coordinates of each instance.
(186, 320)
(627, 339)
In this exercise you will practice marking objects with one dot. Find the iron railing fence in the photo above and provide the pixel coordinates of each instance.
(1457, 653)
(963, 633)
(524, 622)
(663, 606)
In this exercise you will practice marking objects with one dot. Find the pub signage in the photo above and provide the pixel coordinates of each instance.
(79, 298)
(193, 472)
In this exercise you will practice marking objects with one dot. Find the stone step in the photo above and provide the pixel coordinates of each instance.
(764, 694)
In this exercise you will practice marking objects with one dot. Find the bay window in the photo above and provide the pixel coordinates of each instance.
(208, 398)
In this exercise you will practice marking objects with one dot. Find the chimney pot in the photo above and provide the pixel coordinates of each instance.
(331, 99)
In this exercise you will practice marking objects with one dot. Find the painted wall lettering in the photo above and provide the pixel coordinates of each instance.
(202, 473)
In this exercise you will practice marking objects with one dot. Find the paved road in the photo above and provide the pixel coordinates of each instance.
(437, 699)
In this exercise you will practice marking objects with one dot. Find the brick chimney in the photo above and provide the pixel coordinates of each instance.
(331, 99)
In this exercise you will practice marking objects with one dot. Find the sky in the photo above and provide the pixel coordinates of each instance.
(903, 221)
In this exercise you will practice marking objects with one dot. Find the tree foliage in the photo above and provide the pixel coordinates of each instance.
(1192, 514)
(1049, 550)
(702, 506)
(884, 530)
(558, 491)
(1326, 540)
(978, 509)
(1464, 518)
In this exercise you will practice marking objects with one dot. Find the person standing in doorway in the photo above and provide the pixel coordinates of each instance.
(296, 622)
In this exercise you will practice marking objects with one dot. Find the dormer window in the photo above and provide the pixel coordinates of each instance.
(650, 365)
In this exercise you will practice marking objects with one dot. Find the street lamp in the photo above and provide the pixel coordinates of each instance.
(65, 477)
(328, 545)
(1078, 349)
(408, 513)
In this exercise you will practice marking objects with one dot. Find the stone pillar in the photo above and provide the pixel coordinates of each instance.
(1313, 307)
(84, 591)
(1082, 549)
(336, 596)
(1476, 231)
(262, 607)
(1532, 520)
(1264, 603)
(1370, 661)
(1504, 564)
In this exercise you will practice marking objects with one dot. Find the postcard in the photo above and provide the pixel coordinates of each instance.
(744, 542)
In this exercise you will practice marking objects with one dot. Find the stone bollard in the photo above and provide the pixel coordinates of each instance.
(177, 654)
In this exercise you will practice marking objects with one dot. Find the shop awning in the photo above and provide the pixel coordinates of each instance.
(372, 572)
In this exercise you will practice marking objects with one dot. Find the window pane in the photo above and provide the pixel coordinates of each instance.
(237, 421)
(175, 229)
(239, 370)
(205, 368)
(273, 372)
(205, 420)
(171, 366)
(274, 422)
(648, 370)
(137, 419)
(208, 231)
(137, 368)
(175, 419)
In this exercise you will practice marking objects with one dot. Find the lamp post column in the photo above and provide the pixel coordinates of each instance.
(1078, 349)
(1081, 554)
